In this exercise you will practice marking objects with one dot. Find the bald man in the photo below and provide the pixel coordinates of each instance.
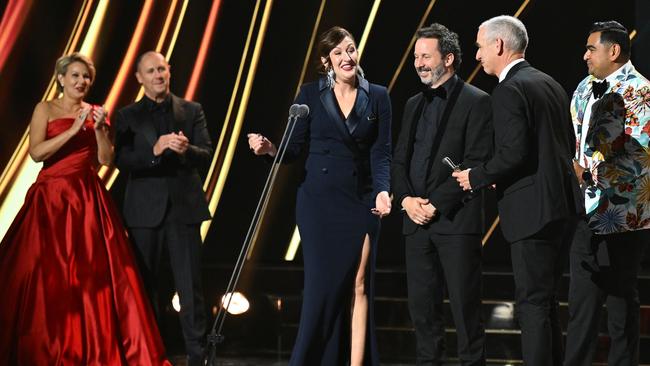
(162, 143)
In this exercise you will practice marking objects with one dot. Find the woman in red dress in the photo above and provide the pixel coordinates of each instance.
(71, 290)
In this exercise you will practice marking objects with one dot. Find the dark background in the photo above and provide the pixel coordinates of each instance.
(557, 30)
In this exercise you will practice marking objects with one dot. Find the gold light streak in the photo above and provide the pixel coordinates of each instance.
(272, 183)
(90, 41)
(226, 123)
(366, 30)
(81, 20)
(168, 22)
(203, 51)
(410, 47)
(487, 235)
(177, 30)
(13, 20)
(21, 151)
(632, 34)
(159, 46)
(110, 174)
(241, 112)
(521, 9)
(129, 58)
(294, 243)
(312, 39)
(22, 170)
(490, 231)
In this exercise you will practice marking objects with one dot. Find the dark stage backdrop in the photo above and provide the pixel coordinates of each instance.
(247, 59)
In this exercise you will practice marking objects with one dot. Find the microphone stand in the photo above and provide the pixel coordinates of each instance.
(216, 337)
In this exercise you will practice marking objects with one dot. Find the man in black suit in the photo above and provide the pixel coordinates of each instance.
(162, 142)
(442, 224)
(538, 194)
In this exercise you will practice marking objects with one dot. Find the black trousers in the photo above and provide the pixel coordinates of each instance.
(537, 263)
(183, 243)
(604, 269)
(432, 260)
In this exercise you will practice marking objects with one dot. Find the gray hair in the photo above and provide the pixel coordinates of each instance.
(510, 29)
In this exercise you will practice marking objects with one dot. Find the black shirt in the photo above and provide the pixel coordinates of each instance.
(161, 114)
(427, 127)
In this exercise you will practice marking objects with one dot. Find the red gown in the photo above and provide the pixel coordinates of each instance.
(69, 283)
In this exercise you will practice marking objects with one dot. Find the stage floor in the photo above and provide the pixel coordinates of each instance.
(244, 361)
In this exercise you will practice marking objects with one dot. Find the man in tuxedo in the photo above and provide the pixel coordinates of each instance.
(538, 194)
(162, 143)
(442, 224)
(611, 123)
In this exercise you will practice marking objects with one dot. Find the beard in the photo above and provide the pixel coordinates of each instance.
(436, 74)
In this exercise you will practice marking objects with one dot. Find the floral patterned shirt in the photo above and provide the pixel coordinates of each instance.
(616, 151)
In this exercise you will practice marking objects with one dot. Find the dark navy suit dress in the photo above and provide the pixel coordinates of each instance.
(347, 166)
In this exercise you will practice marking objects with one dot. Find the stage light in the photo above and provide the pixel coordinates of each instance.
(235, 303)
(503, 311)
(176, 302)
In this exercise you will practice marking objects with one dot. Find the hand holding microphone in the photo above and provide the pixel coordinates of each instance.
(462, 176)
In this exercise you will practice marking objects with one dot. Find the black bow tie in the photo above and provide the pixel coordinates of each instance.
(430, 93)
(599, 88)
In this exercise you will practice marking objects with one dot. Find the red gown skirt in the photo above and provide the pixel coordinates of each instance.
(71, 291)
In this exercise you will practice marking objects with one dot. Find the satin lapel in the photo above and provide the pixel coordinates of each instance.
(179, 115)
(327, 99)
(413, 120)
(360, 106)
(442, 126)
(146, 123)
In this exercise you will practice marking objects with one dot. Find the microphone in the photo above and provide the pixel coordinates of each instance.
(450, 163)
(299, 110)
(303, 111)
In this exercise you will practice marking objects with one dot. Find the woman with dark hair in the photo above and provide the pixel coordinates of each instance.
(339, 204)
(69, 279)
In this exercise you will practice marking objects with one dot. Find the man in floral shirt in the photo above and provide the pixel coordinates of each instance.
(611, 115)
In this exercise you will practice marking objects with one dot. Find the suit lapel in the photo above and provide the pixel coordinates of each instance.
(513, 70)
(442, 126)
(360, 106)
(327, 99)
(412, 119)
(178, 112)
(146, 123)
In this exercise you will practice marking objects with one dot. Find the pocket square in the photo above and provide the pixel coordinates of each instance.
(372, 117)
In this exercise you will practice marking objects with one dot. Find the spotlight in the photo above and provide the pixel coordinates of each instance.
(503, 311)
(235, 303)
(176, 302)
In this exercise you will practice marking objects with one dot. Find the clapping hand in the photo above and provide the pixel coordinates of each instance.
(176, 142)
(99, 116)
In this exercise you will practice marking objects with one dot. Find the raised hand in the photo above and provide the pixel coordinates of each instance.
(99, 116)
(79, 122)
(261, 145)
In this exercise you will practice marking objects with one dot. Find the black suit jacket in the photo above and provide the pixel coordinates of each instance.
(154, 183)
(467, 140)
(534, 147)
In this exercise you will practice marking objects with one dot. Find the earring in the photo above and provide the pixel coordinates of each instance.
(360, 72)
(331, 78)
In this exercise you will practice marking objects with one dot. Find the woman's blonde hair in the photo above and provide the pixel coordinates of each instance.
(63, 62)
